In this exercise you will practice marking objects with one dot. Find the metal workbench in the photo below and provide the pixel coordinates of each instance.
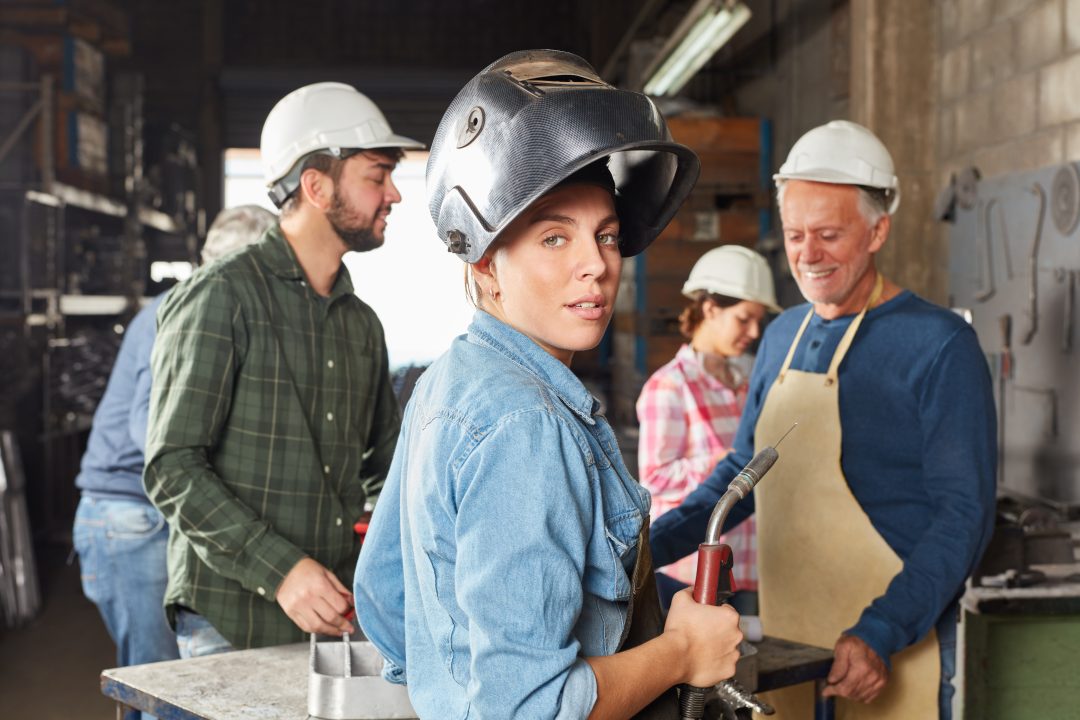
(1020, 646)
(271, 683)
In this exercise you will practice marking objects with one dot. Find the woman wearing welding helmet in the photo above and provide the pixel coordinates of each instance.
(688, 410)
(506, 571)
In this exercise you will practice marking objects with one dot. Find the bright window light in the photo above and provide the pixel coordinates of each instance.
(415, 286)
(170, 270)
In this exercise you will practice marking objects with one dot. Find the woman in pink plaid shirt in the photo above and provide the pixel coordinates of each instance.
(689, 409)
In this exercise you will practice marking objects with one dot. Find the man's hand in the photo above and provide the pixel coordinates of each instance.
(857, 673)
(315, 599)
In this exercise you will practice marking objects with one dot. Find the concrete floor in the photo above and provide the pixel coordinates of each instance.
(49, 670)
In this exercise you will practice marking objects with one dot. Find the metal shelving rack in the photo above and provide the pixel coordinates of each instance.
(43, 304)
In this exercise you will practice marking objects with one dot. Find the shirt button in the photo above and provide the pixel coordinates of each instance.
(330, 417)
(326, 469)
(261, 591)
(339, 521)
(329, 363)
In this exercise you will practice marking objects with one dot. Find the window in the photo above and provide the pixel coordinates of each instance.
(415, 286)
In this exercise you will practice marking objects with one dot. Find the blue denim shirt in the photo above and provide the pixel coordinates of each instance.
(112, 465)
(501, 549)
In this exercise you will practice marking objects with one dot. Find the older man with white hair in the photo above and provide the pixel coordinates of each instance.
(120, 537)
(883, 499)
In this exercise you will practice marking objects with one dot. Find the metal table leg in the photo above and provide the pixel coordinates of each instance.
(824, 707)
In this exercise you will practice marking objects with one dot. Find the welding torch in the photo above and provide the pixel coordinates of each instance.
(714, 582)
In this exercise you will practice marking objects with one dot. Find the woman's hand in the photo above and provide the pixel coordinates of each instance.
(711, 635)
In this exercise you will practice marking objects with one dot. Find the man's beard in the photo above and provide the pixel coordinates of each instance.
(358, 235)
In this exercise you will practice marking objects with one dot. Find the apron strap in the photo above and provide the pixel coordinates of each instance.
(849, 336)
(845, 342)
(644, 622)
(794, 344)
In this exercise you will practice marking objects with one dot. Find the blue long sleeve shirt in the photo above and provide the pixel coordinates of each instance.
(918, 452)
(112, 465)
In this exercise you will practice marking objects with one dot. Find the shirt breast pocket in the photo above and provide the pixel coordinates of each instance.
(613, 570)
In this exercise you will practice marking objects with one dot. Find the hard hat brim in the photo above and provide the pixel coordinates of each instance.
(824, 175)
(732, 292)
(395, 141)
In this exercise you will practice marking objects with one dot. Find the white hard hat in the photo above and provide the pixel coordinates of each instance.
(736, 272)
(326, 116)
(842, 153)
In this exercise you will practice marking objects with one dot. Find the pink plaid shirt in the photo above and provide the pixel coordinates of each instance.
(688, 420)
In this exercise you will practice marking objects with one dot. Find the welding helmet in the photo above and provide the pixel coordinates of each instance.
(528, 122)
(843, 153)
(327, 117)
(735, 272)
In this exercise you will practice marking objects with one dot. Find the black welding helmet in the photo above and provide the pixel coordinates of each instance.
(526, 123)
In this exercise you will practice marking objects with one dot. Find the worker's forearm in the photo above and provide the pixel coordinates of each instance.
(225, 533)
(628, 681)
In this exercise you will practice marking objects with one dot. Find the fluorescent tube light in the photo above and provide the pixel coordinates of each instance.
(708, 25)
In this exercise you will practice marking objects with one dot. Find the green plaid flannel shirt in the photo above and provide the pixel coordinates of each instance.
(272, 420)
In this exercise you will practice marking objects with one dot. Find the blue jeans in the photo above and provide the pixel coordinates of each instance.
(121, 547)
(946, 634)
(195, 636)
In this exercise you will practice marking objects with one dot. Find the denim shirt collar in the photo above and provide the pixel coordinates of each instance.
(487, 330)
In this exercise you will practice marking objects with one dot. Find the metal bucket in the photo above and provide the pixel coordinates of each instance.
(345, 683)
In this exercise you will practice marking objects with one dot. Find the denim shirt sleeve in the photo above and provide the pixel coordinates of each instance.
(378, 585)
(524, 519)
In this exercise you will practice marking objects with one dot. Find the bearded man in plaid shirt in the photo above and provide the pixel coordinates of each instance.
(273, 421)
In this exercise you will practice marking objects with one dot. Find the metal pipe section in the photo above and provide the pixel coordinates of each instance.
(739, 488)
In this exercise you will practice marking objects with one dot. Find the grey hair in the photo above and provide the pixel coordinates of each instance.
(873, 202)
(235, 227)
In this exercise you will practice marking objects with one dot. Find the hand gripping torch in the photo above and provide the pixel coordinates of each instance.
(714, 582)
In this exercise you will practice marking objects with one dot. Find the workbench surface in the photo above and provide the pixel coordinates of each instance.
(266, 683)
(272, 683)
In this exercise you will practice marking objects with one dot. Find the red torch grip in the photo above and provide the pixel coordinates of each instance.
(713, 574)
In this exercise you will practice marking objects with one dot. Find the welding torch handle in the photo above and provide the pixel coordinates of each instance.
(713, 583)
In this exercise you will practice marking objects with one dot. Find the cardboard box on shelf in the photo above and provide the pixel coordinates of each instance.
(80, 145)
(77, 65)
(96, 21)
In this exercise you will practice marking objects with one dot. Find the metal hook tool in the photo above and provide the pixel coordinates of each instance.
(1033, 268)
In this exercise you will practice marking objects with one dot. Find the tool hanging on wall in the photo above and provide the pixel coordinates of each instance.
(1004, 373)
(1067, 316)
(713, 583)
(1065, 198)
(987, 236)
(1033, 267)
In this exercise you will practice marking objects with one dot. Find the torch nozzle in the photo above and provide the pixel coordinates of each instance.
(741, 485)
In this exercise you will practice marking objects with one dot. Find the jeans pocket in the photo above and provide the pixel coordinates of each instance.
(87, 536)
(134, 521)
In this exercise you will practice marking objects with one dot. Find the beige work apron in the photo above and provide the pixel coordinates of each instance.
(820, 561)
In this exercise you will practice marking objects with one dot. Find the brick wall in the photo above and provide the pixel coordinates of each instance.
(1009, 84)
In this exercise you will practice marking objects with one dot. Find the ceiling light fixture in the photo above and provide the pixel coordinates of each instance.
(704, 30)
